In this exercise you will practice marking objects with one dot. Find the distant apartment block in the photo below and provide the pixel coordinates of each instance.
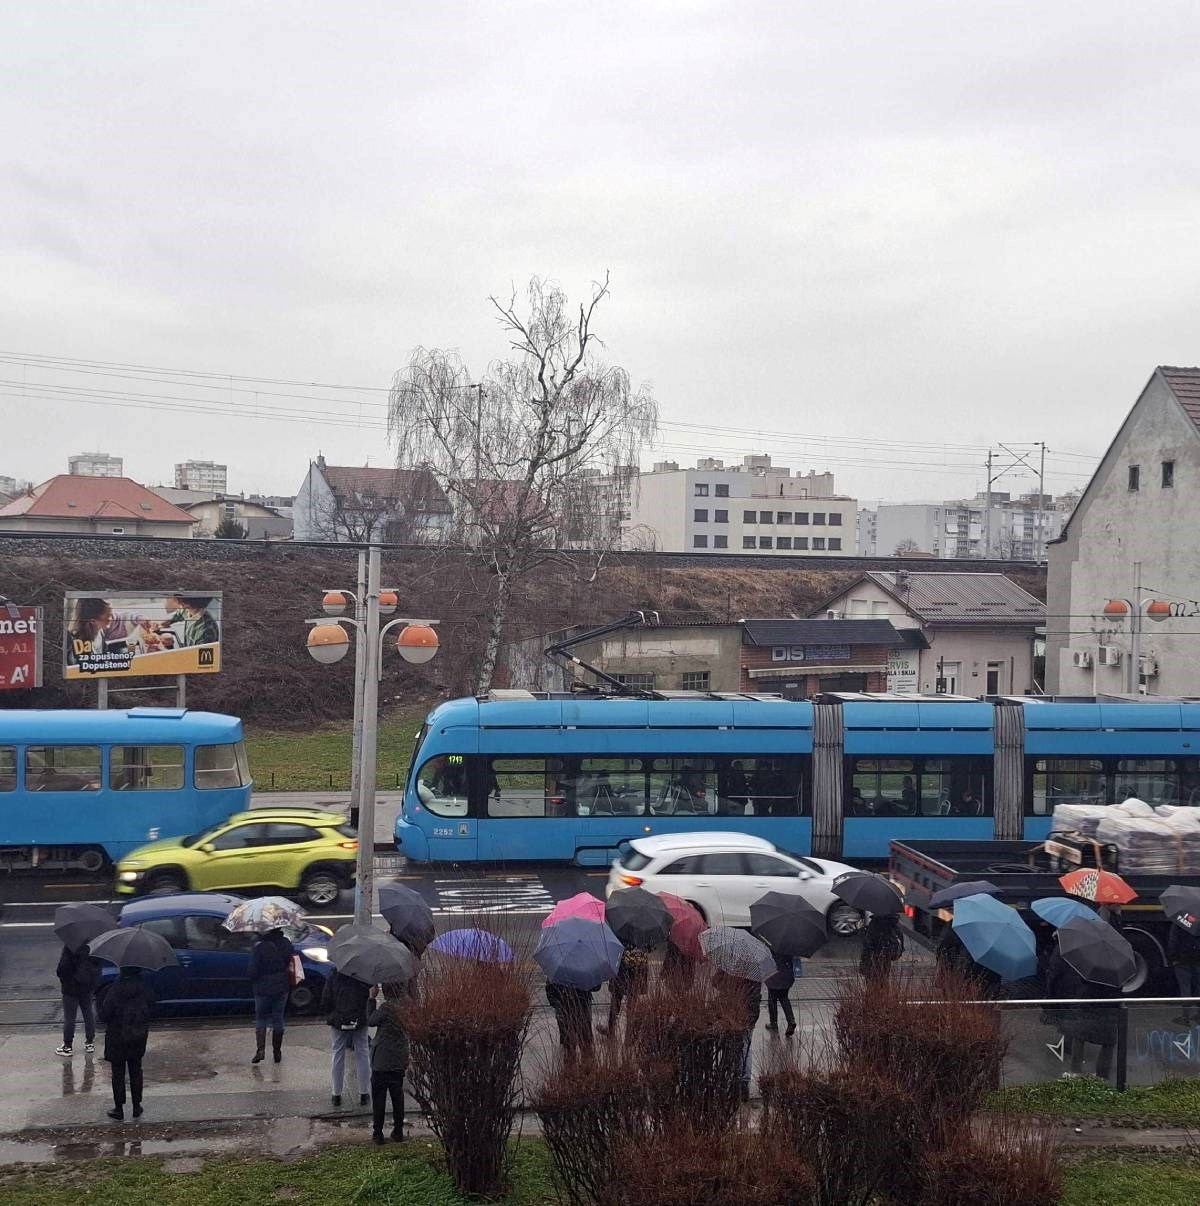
(12, 486)
(96, 464)
(1012, 529)
(202, 475)
(754, 507)
(866, 529)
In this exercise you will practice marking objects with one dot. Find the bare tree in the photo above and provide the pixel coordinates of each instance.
(536, 458)
(906, 546)
(358, 518)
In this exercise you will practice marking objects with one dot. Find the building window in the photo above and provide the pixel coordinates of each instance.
(818, 542)
(764, 542)
(783, 542)
(702, 489)
(720, 516)
(802, 517)
(722, 491)
(801, 542)
(699, 542)
(748, 542)
(642, 682)
(835, 518)
(766, 517)
(1168, 474)
(819, 518)
(695, 680)
(784, 517)
(720, 542)
(835, 544)
(1135, 478)
(749, 517)
(700, 514)
(118, 531)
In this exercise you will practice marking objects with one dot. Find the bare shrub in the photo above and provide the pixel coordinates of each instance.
(693, 1037)
(588, 1108)
(466, 1027)
(685, 1166)
(1003, 1161)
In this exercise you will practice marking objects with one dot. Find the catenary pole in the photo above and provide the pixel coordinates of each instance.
(364, 892)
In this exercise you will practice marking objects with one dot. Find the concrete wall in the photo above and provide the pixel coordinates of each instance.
(84, 526)
(1112, 527)
(973, 648)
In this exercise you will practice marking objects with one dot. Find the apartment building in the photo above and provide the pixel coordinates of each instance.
(95, 464)
(754, 507)
(202, 475)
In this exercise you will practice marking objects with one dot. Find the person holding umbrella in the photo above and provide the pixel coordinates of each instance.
(778, 988)
(577, 956)
(791, 927)
(78, 972)
(389, 1058)
(742, 962)
(641, 922)
(1182, 905)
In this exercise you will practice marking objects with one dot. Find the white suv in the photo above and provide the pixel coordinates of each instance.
(723, 874)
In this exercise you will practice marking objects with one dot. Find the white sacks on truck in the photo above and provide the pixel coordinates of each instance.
(1078, 818)
(1150, 841)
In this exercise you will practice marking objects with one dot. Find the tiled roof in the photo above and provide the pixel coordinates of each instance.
(72, 496)
(1185, 385)
(403, 485)
(948, 598)
(821, 632)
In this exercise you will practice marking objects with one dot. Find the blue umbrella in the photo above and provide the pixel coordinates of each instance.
(1058, 910)
(578, 954)
(995, 936)
(971, 887)
(481, 945)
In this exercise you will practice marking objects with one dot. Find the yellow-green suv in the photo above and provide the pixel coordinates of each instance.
(295, 850)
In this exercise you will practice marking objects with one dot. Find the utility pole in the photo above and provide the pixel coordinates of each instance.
(1134, 677)
(1041, 547)
(368, 644)
(987, 513)
(360, 663)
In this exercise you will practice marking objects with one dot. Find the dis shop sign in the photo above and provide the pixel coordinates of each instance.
(20, 647)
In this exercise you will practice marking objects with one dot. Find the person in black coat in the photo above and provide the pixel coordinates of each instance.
(1082, 1024)
(882, 945)
(778, 987)
(1183, 953)
(573, 1012)
(270, 962)
(389, 1058)
(951, 955)
(126, 1011)
(78, 977)
(346, 1002)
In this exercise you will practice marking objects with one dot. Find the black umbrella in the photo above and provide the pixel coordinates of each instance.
(374, 960)
(1097, 952)
(1182, 905)
(638, 918)
(77, 924)
(356, 929)
(867, 893)
(971, 887)
(788, 924)
(133, 947)
(408, 915)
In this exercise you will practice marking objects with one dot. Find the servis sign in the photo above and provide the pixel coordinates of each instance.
(20, 647)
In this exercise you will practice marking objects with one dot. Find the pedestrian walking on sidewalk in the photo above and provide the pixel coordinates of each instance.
(270, 980)
(778, 987)
(882, 945)
(389, 1059)
(79, 977)
(632, 979)
(573, 1013)
(126, 1011)
(345, 1003)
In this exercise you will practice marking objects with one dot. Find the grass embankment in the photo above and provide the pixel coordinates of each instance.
(318, 759)
(410, 1176)
(1174, 1102)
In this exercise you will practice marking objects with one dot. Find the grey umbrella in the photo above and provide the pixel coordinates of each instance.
(577, 953)
(971, 887)
(1096, 951)
(77, 924)
(130, 946)
(356, 929)
(738, 953)
(377, 959)
(408, 915)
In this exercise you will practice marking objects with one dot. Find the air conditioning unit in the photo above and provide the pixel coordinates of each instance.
(835, 615)
(1110, 655)
(1149, 667)
(1082, 659)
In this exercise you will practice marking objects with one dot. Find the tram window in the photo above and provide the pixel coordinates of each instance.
(1151, 779)
(919, 787)
(759, 785)
(442, 785)
(683, 786)
(1067, 781)
(520, 787)
(146, 768)
(600, 787)
(954, 787)
(8, 768)
(62, 768)
(883, 787)
(220, 766)
(1189, 781)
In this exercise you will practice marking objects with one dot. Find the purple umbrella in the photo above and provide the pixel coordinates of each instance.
(481, 945)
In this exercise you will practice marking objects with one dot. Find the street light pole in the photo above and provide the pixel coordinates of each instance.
(368, 647)
(360, 663)
(1135, 633)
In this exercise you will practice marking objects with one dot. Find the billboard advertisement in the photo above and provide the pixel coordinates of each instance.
(20, 647)
(121, 634)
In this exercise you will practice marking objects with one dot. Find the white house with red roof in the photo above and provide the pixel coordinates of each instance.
(98, 506)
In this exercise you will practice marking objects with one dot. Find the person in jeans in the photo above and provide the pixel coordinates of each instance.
(345, 1003)
(78, 977)
(389, 1060)
(269, 965)
(126, 1012)
(778, 987)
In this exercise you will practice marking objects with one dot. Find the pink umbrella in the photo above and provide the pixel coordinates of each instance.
(582, 904)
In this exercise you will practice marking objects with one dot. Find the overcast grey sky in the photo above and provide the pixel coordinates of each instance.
(924, 222)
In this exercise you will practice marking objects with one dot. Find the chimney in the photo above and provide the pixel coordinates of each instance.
(902, 583)
(320, 460)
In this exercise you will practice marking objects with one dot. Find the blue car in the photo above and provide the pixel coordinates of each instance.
(214, 964)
